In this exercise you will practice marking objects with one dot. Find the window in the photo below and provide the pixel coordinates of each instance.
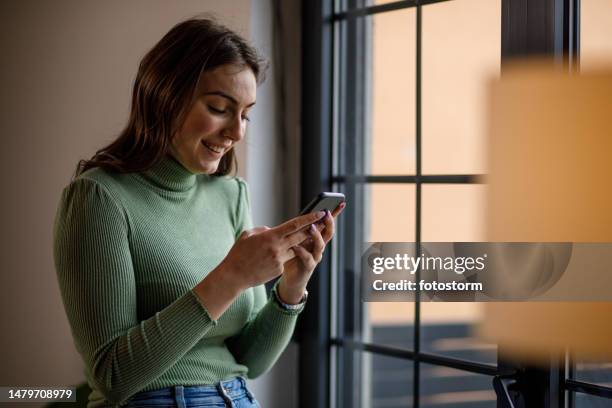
(413, 98)
(394, 113)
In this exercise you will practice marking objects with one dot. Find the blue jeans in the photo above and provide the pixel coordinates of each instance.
(229, 393)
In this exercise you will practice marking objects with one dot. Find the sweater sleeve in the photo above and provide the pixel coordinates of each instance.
(96, 279)
(270, 327)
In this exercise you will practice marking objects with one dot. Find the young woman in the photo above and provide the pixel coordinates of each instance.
(160, 269)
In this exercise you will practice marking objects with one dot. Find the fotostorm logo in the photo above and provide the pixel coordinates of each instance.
(459, 264)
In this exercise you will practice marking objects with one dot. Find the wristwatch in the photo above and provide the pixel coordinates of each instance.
(297, 306)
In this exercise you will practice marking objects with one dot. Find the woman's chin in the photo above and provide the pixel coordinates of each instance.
(208, 167)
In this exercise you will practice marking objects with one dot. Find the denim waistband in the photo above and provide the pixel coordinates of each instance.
(227, 389)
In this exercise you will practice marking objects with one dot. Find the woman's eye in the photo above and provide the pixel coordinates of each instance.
(224, 111)
(215, 110)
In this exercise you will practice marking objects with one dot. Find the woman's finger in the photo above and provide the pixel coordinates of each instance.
(325, 224)
(296, 224)
(329, 228)
(338, 209)
(305, 257)
(318, 245)
(257, 230)
(299, 237)
(253, 231)
(336, 212)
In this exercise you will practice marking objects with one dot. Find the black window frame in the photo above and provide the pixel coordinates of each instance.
(529, 27)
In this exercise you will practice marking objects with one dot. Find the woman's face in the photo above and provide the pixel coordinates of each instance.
(217, 120)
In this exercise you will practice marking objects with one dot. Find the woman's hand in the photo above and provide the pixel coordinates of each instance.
(259, 254)
(297, 271)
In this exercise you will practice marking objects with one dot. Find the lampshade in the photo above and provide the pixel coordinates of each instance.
(549, 180)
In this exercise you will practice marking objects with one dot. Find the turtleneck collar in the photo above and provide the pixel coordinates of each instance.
(170, 175)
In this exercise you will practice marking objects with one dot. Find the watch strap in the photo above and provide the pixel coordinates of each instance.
(291, 308)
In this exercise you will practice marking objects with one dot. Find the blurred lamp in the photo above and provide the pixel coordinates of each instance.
(550, 162)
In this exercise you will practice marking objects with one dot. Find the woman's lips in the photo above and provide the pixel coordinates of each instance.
(214, 149)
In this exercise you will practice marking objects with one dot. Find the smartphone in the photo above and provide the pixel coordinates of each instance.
(324, 201)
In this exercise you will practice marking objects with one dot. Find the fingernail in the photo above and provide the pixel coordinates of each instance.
(327, 213)
(342, 204)
(312, 228)
(321, 214)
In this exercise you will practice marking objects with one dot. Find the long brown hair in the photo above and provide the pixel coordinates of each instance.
(164, 90)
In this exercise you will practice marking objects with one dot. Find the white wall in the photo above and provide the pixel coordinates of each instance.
(66, 78)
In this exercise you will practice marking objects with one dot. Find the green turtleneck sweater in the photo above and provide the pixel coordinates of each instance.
(129, 249)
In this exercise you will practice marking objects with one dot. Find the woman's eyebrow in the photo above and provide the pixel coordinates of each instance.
(231, 98)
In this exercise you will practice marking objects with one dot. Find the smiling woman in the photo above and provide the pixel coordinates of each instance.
(160, 269)
(194, 66)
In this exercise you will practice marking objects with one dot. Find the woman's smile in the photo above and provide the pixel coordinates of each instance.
(215, 150)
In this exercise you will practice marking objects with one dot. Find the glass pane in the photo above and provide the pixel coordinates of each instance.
(391, 219)
(590, 401)
(447, 328)
(461, 221)
(390, 323)
(374, 381)
(388, 215)
(595, 32)
(461, 51)
(599, 373)
(391, 213)
(391, 384)
(450, 388)
(392, 140)
(353, 369)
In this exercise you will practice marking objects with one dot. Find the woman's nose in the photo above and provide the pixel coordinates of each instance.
(235, 130)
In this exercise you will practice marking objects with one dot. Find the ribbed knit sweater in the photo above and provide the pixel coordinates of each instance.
(129, 249)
